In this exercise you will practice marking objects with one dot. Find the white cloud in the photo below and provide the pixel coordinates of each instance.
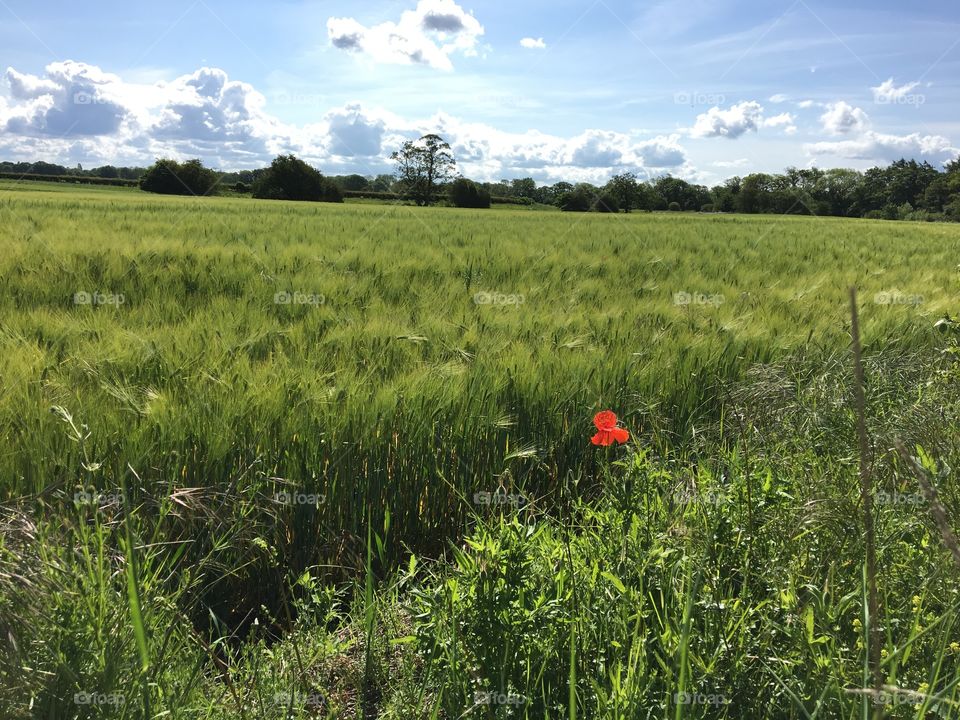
(805, 104)
(662, 152)
(427, 35)
(533, 43)
(738, 119)
(784, 120)
(732, 123)
(887, 93)
(740, 162)
(878, 147)
(228, 124)
(779, 98)
(842, 119)
(354, 133)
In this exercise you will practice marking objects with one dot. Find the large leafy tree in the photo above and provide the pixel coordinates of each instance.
(424, 164)
(290, 178)
(168, 177)
(467, 194)
(626, 190)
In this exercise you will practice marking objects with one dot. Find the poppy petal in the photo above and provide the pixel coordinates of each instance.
(605, 420)
(602, 438)
(621, 435)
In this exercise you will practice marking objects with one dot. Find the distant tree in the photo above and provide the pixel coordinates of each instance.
(241, 187)
(524, 187)
(107, 171)
(352, 182)
(381, 183)
(674, 206)
(689, 197)
(422, 165)
(952, 209)
(626, 190)
(647, 198)
(467, 194)
(290, 178)
(579, 199)
(45, 168)
(725, 196)
(835, 191)
(754, 193)
(937, 193)
(605, 202)
(908, 181)
(168, 177)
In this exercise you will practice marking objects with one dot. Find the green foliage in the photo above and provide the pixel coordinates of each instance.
(290, 178)
(718, 554)
(606, 203)
(466, 194)
(422, 166)
(168, 177)
(580, 199)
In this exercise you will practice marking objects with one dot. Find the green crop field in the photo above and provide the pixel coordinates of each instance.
(249, 448)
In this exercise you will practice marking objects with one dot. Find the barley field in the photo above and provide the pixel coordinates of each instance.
(343, 452)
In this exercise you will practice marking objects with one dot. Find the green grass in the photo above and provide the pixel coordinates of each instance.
(394, 396)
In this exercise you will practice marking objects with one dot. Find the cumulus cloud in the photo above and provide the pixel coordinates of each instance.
(784, 120)
(592, 156)
(228, 124)
(661, 153)
(878, 147)
(887, 92)
(843, 119)
(353, 132)
(74, 99)
(740, 162)
(737, 120)
(77, 110)
(779, 98)
(533, 43)
(427, 35)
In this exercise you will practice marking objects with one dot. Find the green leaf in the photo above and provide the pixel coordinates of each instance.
(616, 582)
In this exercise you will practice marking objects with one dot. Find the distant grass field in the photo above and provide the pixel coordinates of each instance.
(386, 377)
(284, 460)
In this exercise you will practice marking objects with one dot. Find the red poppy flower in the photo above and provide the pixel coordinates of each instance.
(606, 423)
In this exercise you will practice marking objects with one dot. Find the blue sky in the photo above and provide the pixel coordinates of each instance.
(704, 89)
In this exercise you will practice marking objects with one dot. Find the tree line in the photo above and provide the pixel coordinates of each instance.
(426, 173)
